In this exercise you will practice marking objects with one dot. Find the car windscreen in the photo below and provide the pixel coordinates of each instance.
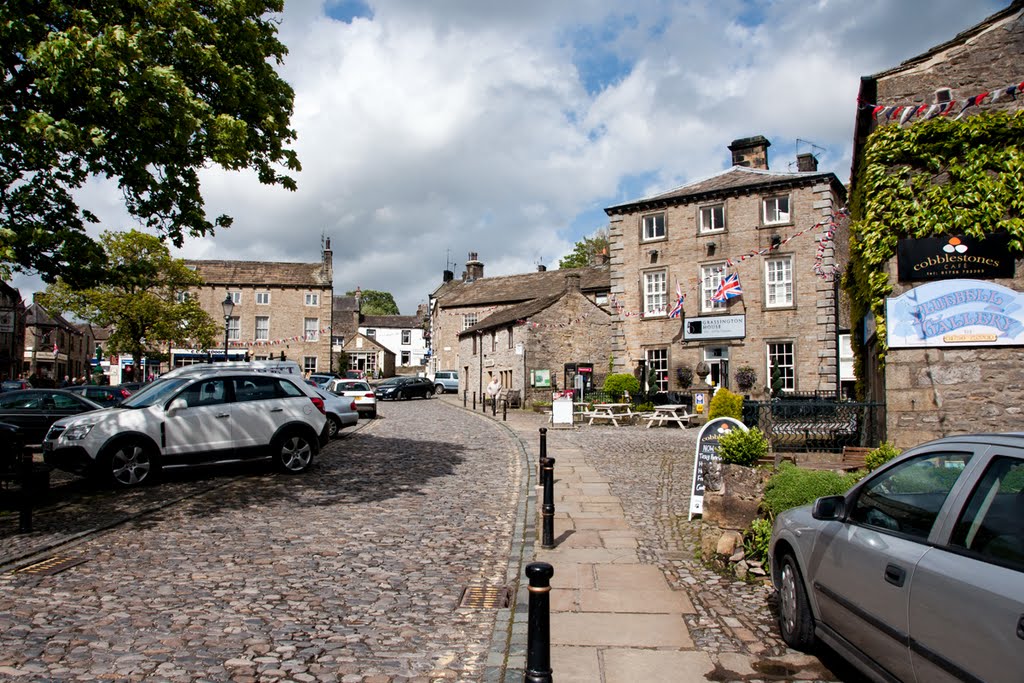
(155, 393)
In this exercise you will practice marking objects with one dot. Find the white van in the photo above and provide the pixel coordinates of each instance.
(278, 367)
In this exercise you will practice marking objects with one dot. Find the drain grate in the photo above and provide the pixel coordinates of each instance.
(486, 597)
(51, 566)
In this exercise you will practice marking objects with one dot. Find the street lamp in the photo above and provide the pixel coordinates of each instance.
(229, 306)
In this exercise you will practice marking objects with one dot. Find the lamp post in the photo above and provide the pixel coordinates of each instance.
(229, 306)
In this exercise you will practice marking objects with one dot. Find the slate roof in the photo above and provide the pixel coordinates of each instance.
(514, 313)
(511, 289)
(391, 321)
(732, 181)
(260, 273)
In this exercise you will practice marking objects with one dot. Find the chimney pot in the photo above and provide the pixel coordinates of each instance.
(806, 162)
(750, 152)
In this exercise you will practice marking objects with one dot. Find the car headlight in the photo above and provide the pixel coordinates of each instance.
(77, 432)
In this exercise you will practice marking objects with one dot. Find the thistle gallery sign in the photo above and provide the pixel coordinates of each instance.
(945, 258)
(955, 313)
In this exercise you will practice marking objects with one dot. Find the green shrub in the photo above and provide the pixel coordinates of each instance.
(740, 447)
(881, 455)
(644, 407)
(755, 544)
(619, 383)
(792, 486)
(726, 404)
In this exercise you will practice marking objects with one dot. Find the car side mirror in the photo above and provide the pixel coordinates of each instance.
(829, 508)
(176, 405)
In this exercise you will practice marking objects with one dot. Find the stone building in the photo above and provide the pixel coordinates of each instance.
(774, 230)
(458, 305)
(54, 348)
(369, 356)
(955, 380)
(12, 332)
(528, 346)
(280, 310)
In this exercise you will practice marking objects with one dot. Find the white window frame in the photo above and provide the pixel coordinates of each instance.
(778, 282)
(601, 298)
(784, 351)
(312, 299)
(777, 215)
(236, 297)
(262, 298)
(406, 357)
(468, 320)
(182, 297)
(406, 337)
(262, 334)
(711, 276)
(234, 328)
(309, 364)
(371, 332)
(652, 227)
(311, 334)
(707, 215)
(657, 360)
(655, 284)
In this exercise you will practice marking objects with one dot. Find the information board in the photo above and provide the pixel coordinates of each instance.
(707, 452)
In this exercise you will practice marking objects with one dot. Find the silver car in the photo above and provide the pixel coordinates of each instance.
(917, 573)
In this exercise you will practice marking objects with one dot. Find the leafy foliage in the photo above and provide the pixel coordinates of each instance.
(139, 298)
(585, 250)
(746, 377)
(726, 404)
(743, 447)
(373, 302)
(777, 382)
(938, 177)
(684, 377)
(792, 486)
(148, 93)
(880, 456)
(757, 539)
(617, 384)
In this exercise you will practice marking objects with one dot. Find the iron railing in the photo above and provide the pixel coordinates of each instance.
(803, 425)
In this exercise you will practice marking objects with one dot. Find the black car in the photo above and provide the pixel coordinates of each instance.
(15, 384)
(399, 388)
(11, 445)
(105, 395)
(34, 410)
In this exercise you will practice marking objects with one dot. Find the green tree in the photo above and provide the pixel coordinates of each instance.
(373, 302)
(139, 299)
(585, 250)
(147, 93)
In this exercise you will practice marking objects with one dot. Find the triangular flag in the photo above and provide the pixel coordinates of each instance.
(908, 114)
(931, 113)
(874, 112)
(896, 111)
(888, 112)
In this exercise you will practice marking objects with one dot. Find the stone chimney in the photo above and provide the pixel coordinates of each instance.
(750, 152)
(541, 268)
(806, 162)
(359, 299)
(447, 276)
(327, 271)
(572, 281)
(600, 258)
(474, 268)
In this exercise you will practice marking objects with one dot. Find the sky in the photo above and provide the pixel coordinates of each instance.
(428, 130)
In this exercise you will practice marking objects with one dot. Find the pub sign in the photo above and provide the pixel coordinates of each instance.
(947, 258)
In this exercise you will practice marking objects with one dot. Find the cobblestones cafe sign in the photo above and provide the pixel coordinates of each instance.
(955, 313)
(945, 258)
(707, 462)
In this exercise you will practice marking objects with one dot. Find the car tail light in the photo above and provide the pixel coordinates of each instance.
(369, 395)
(319, 403)
(353, 406)
(125, 393)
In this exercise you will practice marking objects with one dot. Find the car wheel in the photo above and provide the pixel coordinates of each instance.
(293, 452)
(795, 619)
(333, 426)
(438, 388)
(129, 463)
(428, 392)
(373, 414)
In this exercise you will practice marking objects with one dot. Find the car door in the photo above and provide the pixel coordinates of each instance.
(863, 568)
(27, 411)
(201, 430)
(967, 597)
(262, 404)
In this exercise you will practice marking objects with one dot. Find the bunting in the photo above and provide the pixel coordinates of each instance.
(905, 113)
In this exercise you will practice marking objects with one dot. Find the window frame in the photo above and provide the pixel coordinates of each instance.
(371, 332)
(236, 297)
(312, 298)
(653, 237)
(788, 219)
(469, 320)
(308, 366)
(406, 337)
(715, 273)
(649, 310)
(265, 331)
(308, 334)
(234, 328)
(661, 370)
(704, 230)
(787, 371)
(770, 286)
(260, 295)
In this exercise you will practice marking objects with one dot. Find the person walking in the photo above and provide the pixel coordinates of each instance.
(494, 388)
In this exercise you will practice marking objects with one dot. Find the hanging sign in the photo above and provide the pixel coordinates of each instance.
(955, 313)
(707, 452)
(945, 258)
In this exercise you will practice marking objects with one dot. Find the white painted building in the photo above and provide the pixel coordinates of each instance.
(400, 334)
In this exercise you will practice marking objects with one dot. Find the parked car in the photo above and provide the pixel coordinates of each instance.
(212, 416)
(341, 411)
(321, 379)
(917, 573)
(12, 445)
(15, 384)
(34, 410)
(355, 374)
(445, 381)
(106, 396)
(360, 390)
(398, 388)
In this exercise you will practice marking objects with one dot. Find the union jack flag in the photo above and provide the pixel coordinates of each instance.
(729, 289)
(677, 310)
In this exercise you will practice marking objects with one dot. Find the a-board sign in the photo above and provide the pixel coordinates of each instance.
(707, 451)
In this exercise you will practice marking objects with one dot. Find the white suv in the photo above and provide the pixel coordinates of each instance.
(212, 416)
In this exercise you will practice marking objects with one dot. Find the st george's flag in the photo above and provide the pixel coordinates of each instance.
(677, 310)
(729, 289)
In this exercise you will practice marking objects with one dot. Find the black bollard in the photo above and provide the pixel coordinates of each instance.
(543, 454)
(548, 509)
(494, 406)
(25, 504)
(465, 396)
(504, 411)
(474, 400)
(538, 633)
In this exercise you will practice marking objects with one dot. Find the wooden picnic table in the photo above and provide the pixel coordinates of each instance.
(669, 414)
(611, 412)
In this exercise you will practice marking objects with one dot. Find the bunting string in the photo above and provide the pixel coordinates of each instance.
(905, 113)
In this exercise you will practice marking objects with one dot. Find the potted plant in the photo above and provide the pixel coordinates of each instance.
(746, 377)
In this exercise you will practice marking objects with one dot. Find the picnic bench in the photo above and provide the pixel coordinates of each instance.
(611, 412)
(670, 414)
